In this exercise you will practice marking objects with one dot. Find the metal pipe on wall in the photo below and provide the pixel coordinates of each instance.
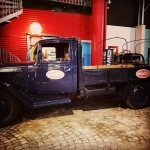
(105, 25)
(139, 13)
(143, 7)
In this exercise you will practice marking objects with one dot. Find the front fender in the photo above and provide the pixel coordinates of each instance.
(19, 95)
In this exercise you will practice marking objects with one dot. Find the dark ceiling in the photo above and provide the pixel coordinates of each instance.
(120, 12)
(125, 13)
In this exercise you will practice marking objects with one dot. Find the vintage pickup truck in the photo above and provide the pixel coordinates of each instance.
(51, 79)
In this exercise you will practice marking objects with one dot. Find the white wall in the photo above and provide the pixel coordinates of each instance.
(122, 32)
(147, 44)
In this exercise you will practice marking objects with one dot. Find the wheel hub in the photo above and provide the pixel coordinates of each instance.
(139, 93)
(4, 109)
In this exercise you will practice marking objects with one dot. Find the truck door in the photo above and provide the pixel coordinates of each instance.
(56, 72)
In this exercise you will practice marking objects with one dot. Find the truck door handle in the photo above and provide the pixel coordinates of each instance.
(67, 70)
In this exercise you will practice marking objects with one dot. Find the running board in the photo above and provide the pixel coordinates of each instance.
(49, 100)
(92, 92)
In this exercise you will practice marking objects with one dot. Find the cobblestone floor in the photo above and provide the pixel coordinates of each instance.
(98, 124)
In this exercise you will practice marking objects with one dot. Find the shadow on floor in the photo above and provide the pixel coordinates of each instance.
(89, 104)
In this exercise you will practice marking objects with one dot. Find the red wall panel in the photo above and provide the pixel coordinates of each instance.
(13, 34)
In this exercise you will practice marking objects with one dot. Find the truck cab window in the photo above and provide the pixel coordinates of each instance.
(55, 52)
(138, 58)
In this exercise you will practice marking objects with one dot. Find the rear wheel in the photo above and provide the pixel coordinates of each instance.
(9, 108)
(137, 97)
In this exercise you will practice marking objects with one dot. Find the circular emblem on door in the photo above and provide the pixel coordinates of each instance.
(143, 73)
(55, 74)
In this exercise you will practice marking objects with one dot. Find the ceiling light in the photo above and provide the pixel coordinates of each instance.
(35, 28)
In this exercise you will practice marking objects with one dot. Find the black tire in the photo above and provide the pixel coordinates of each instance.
(137, 97)
(9, 109)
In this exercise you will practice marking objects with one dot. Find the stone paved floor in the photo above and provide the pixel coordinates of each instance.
(93, 125)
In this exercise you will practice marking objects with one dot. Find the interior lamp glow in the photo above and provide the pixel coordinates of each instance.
(35, 28)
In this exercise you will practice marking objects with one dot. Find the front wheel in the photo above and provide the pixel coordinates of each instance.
(137, 97)
(9, 108)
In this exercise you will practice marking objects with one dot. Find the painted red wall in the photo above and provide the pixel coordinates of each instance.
(13, 34)
(98, 23)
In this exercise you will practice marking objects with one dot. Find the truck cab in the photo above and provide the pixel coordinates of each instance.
(56, 66)
(129, 58)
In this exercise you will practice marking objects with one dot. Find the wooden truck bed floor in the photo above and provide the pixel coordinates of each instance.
(109, 66)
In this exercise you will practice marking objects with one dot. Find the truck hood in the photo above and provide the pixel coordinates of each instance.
(15, 64)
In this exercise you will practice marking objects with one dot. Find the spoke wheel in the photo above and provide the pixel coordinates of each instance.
(137, 97)
(4, 108)
(9, 108)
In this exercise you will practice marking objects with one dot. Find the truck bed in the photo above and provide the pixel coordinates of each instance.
(107, 74)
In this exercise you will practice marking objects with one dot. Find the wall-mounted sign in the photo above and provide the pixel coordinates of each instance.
(55, 74)
(114, 48)
(49, 53)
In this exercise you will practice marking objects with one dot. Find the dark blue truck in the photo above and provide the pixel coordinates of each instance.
(52, 78)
